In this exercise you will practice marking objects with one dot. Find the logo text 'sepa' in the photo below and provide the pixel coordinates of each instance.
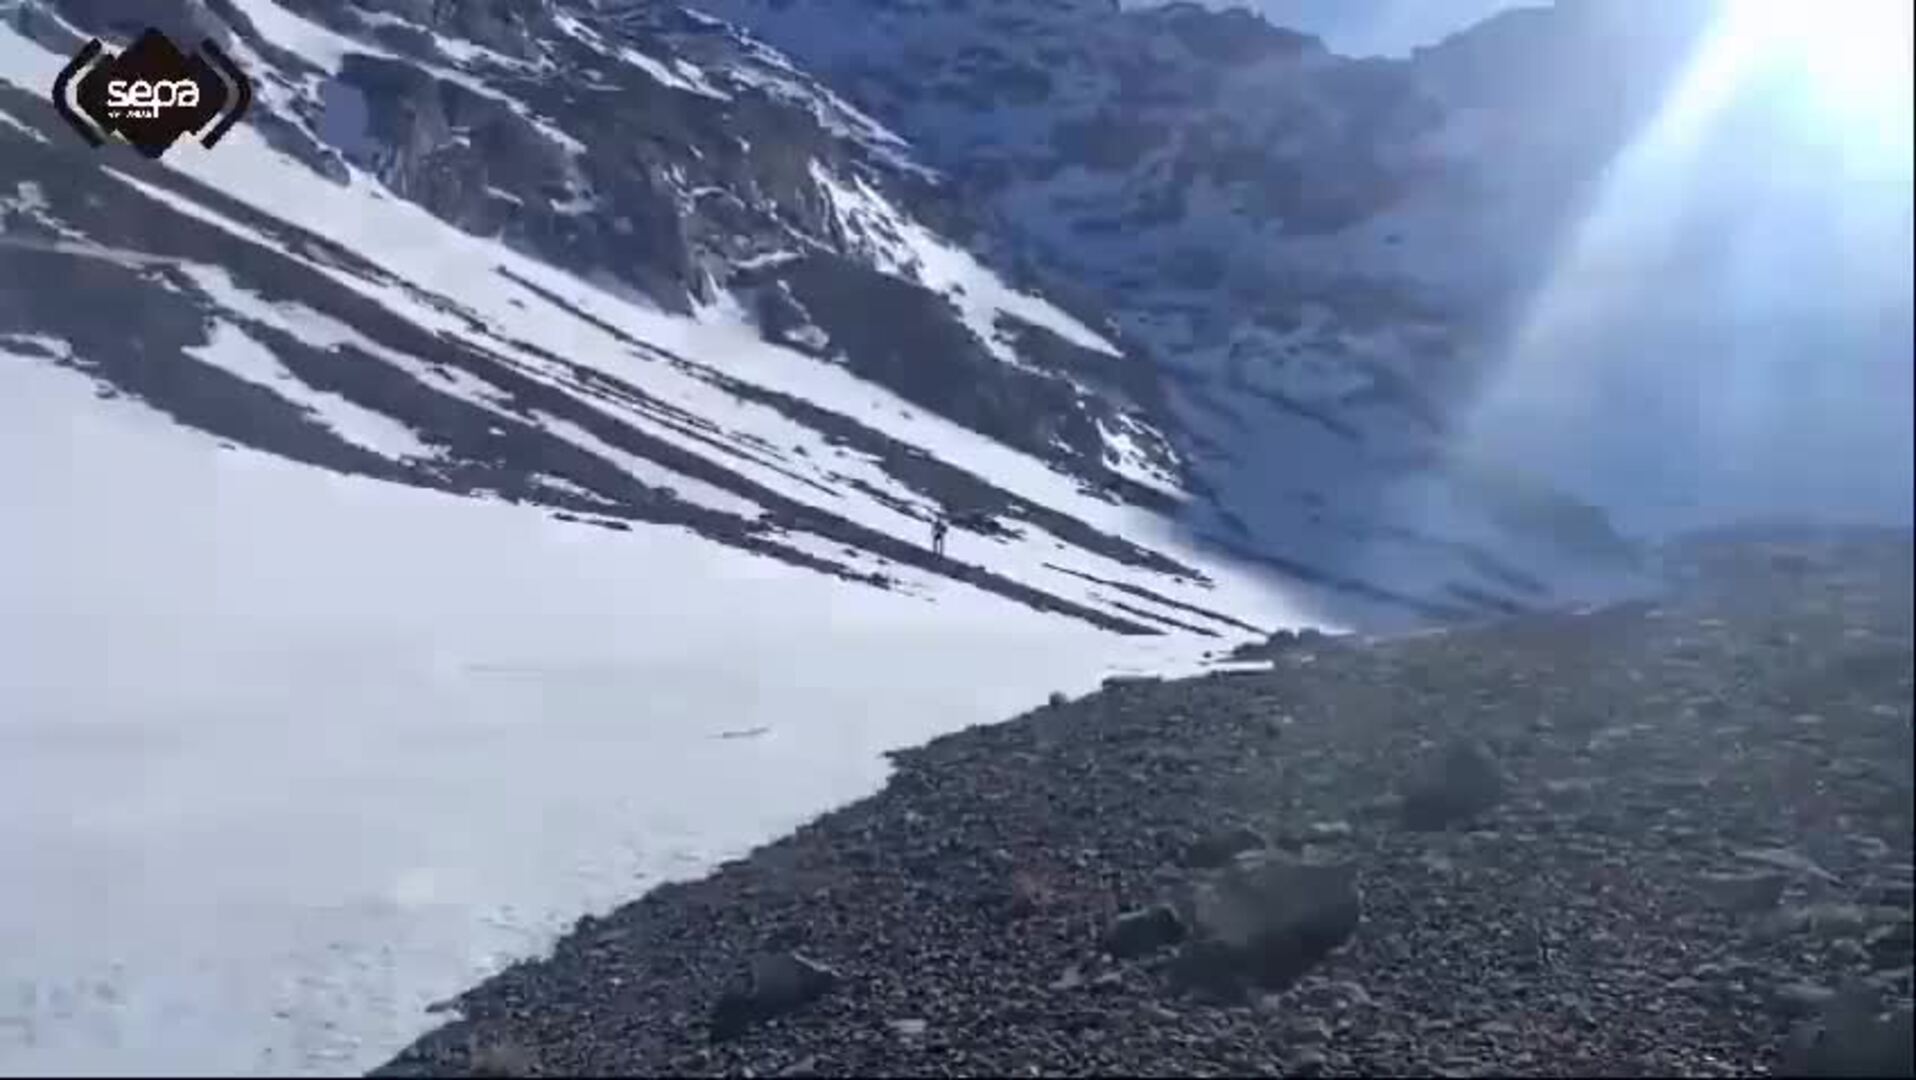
(152, 93)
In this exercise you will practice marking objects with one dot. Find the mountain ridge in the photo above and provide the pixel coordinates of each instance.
(1199, 267)
(483, 419)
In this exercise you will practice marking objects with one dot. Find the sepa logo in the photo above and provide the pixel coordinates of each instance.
(151, 94)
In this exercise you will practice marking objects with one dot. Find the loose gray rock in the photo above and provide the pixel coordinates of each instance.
(1794, 862)
(1327, 831)
(1744, 893)
(1145, 930)
(1307, 1031)
(1218, 848)
(1801, 998)
(1306, 1061)
(1892, 946)
(1499, 1029)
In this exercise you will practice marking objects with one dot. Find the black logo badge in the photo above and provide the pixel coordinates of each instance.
(152, 93)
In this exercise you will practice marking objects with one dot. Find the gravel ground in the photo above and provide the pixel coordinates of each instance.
(1704, 836)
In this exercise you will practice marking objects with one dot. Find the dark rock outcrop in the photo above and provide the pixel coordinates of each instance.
(777, 983)
(1268, 918)
(1463, 784)
(1145, 930)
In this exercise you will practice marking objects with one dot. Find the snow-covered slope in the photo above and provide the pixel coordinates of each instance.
(323, 318)
(383, 589)
(667, 164)
(287, 755)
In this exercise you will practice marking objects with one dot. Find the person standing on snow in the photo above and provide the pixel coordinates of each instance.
(939, 527)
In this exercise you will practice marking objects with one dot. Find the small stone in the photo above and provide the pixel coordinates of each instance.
(1308, 1031)
(909, 1028)
(1159, 1014)
(1329, 830)
(1890, 894)
(1305, 1061)
(1144, 930)
(1219, 848)
(1891, 946)
(1335, 996)
(1744, 893)
(1796, 999)
(1564, 789)
(1789, 861)
(1832, 921)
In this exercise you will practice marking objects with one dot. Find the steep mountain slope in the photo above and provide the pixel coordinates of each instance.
(314, 712)
(1335, 262)
(1181, 260)
(287, 755)
(534, 258)
(498, 477)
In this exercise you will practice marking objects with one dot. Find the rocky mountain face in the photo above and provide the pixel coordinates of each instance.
(691, 189)
(656, 149)
(1320, 253)
(1187, 261)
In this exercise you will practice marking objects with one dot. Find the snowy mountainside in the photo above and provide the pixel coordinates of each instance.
(405, 560)
(629, 268)
(1320, 253)
(289, 755)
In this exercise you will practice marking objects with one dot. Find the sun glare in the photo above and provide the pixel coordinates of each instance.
(1854, 54)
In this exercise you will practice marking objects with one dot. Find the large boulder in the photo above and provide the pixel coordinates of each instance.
(776, 984)
(1145, 930)
(1267, 919)
(1462, 784)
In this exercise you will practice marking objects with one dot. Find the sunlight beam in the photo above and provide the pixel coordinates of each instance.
(1726, 318)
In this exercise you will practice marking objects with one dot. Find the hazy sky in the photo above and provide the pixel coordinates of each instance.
(1374, 27)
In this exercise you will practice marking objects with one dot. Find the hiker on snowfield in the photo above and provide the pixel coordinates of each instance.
(939, 527)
